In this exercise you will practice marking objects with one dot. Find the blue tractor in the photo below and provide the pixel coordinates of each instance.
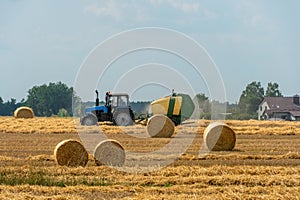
(116, 110)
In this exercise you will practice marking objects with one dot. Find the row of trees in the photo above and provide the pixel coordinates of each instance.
(56, 99)
(252, 96)
(248, 103)
(7, 108)
(45, 100)
(52, 99)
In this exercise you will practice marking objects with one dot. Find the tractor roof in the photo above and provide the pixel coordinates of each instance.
(119, 94)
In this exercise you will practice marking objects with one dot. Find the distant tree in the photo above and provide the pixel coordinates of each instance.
(203, 106)
(201, 98)
(203, 102)
(78, 107)
(273, 90)
(1, 106)
(140, 107)
(63, 113)
(47, 100)
(8, 108)
(250, 99)
(233, 109)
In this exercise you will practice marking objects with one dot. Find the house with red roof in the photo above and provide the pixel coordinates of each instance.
(279, 108)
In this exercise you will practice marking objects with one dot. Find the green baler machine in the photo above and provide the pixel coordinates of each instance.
(177, 107)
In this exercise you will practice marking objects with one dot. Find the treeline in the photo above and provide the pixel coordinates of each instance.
(45, 100)
(246, 107)
(7, 108)
(55, 99)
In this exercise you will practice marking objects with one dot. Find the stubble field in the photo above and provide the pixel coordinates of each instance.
(265, 163)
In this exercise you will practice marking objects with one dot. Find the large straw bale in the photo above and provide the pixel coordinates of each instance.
(219, 137)
(71, 153)
(23, 112)
(160, 126)
(109, 152)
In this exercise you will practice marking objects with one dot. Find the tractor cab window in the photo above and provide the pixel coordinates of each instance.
(119, 101)
(114, 101)
(123, 101)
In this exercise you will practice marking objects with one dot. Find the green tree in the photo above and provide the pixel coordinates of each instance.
(7, 108)
(1, 106)
(204, 106)
(79, 107)
(202, 102)
(273, 90)
(47, 100)
(63, 113)
(201, 98)
(250, 99)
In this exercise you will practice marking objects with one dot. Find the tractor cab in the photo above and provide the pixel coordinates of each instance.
(116, 109)
(119, 100)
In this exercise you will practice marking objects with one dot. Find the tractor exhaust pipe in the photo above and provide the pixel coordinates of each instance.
(97, 98)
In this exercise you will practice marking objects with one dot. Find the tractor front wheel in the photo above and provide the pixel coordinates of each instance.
(89, 120)
(122, 119)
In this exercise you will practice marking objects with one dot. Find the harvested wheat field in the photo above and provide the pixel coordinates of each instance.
(264, 164)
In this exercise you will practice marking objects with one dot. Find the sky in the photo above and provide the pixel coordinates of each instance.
(49, 40)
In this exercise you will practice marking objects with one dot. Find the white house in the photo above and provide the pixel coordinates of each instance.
(280, 108)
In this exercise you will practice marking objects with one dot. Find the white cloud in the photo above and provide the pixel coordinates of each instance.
(61, 38)
(187, 7)
(142, 16)
(209, 14)
(129, 11)
(184, 6)
(111, 8)
(251, 15)
(232, 38)
(256, 20)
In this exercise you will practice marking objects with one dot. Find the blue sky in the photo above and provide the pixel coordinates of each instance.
(48, 40)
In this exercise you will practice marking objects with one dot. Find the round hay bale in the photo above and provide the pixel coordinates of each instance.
(219, 137)
(109, 152)
(23, 112)
(71, 153)
(160, 126)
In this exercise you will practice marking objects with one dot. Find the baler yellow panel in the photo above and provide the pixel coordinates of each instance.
(160, 106)
(177, 106)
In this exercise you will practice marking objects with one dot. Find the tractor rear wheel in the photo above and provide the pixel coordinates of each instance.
(89, 120)
(122, 118)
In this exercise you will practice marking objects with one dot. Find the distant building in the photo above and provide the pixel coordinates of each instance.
(280, 108)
